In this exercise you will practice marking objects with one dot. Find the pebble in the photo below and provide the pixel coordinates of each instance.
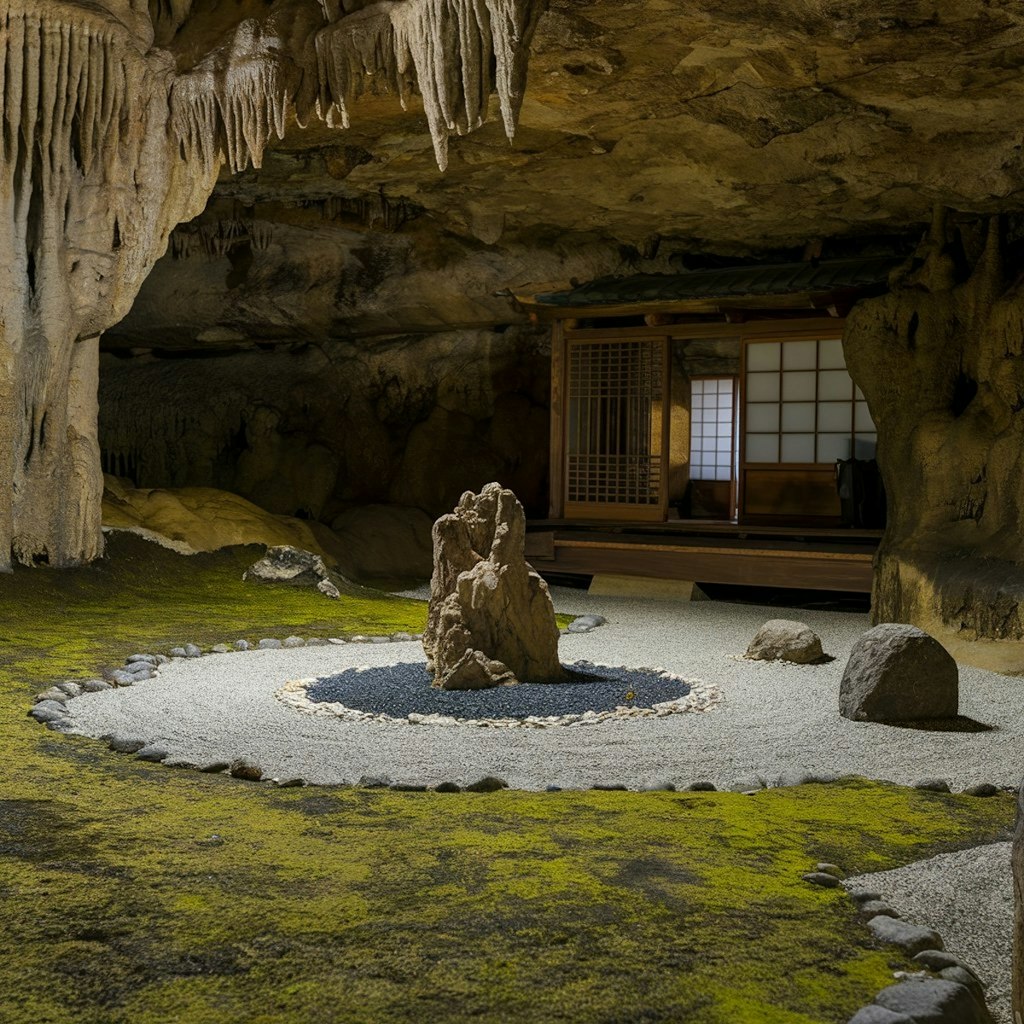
(328, 589)
(241, 645)
(821, 878)
(939, 960)
(192, 651)
(52, 694)
(932, 785)
(95, 686)
(488, 784)
(125, 744)
(269, 644)
(877, 908)
(294, 641)
(831, 869)
(151, 752)
(47, 712)
(586, 623)
(245, 768)
(982, 789)
(336, 640)
(911, 938)
(220, 649)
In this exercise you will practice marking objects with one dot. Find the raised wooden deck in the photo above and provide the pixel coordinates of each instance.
(811, 558)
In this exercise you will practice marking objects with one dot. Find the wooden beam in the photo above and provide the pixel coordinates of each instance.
(804, 327)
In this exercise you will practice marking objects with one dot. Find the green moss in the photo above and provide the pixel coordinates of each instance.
(137, 892)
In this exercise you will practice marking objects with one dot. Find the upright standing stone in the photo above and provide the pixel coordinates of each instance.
(491, 621)
(898, 673)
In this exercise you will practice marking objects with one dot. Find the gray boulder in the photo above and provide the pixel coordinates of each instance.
(490, 621)
(911, 938)
(285, 564)
(786, 640)
(934, 1001)
(898, 673)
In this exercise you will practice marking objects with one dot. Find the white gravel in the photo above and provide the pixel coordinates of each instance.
(967, 897)
(775, 720)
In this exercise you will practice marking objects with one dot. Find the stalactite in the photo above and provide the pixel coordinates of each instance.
(87, 197)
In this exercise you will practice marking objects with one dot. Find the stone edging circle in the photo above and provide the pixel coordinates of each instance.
(701, 697)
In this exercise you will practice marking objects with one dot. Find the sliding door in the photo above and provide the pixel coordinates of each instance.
(616, 429)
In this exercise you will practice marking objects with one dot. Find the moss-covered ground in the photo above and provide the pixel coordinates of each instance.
(135, 892)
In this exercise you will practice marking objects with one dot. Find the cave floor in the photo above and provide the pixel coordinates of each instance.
(135, 891)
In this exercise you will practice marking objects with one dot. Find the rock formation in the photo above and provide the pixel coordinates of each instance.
(941, 362)
(898, 673)
(786, 640)
(285, 564)
(490, 620)
(107, 145)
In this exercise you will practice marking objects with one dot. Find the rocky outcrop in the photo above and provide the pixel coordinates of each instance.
(285, 564)
(386, 541)
(898, 673)
(315, 431)
(786, 640)
(941, 363)
(490, 620)
(193, 519)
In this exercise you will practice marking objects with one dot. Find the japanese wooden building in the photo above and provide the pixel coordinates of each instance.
(696, 425)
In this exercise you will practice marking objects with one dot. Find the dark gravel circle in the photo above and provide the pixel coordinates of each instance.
(400, 690)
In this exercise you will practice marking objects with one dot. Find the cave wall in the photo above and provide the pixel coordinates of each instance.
(313, 429)
(940, 359)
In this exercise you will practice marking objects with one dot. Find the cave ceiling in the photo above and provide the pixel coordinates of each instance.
(652, 134)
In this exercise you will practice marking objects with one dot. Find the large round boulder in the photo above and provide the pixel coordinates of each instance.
(898, 673)
(786, 640)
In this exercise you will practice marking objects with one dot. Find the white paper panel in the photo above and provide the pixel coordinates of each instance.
(799, 355)
(724, 445)
(833, 446)
(798, 416)
(798, 386)
(762, 448)
(762, 387)
(863, 421)
(834, 417)
(797, 448)
(830, 354)
(762, 417)
(763, 355)
(834, 385)
(696, 387)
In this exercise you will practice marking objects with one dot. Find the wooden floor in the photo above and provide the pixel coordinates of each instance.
(812, 558)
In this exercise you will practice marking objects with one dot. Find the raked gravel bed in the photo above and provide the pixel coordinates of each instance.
(773, 722)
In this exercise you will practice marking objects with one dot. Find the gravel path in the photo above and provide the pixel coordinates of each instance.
(775, 721)
(967, 897)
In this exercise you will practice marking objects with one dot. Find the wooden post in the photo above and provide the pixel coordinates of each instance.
(556, 468)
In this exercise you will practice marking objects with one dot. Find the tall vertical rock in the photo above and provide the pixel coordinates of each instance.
(491, 621)
(91, 185)
(940, 359)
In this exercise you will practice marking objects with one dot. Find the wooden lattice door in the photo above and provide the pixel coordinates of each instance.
(616, 429)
